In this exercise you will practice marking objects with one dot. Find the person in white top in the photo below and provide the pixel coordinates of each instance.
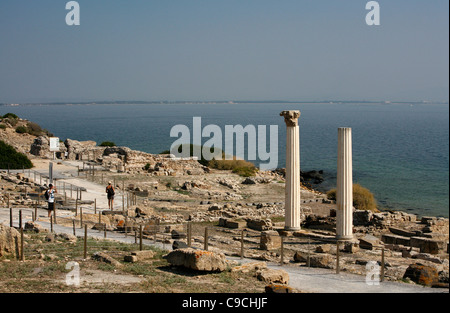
(51, 198)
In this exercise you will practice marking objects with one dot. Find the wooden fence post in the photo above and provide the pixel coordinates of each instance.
(140, 237)
(22, 253)
(242, 244)
(206, 239)
(338, 269)
(85, 241)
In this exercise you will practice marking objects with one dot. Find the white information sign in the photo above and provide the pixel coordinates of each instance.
(54, 144)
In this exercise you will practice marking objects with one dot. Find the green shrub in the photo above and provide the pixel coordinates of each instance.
(331, 195)
(21, 130)
(11, 121)
(245, 171)
(363, 199)
(10, 158)
(10, 115)
(2, 126)
(107, 144)
(34, 129)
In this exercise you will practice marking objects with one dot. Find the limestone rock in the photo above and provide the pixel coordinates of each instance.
(41, 147)
(402, 232)
(130, 258)
(369, 242)
(351, 247)
(179, 245)
(76, 149)
(67, 237)
(323, 248)
(259, 224)
(395, 239)
(301, 256)
(273, 288)
(362, 217)
(103, 257)
(249, 267)
(9, 241)
(178, 235)
(34, 227)
(427, 245)
(321, 261)
(144, 254)
(270, 240)
(272, 276)
(249, 181)
(421, 274)
(198, 260)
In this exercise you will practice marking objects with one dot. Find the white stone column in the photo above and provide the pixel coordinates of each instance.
(344, 193)
(292, 192)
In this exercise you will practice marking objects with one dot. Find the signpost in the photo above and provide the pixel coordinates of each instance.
(54, 147)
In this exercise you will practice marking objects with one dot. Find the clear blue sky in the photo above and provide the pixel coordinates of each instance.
(223, 50)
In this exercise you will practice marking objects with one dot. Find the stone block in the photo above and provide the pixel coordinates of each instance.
(272, 276)
(103, 257)
(179, 245)
(144, 254)
(321, 261)
(402, 232)
(178, 235)
(259, 224)
(351, 247)
(421, 274)
(249, 267)
(323, 248)
(270, 240)
(362, 218)
(235, 224)
(395, 239)
(369, 242)
(427, 245)
(130, 258)
(198, 260)
(301, 256)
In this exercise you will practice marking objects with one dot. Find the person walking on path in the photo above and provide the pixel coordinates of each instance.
(50, 197)
(110, 193)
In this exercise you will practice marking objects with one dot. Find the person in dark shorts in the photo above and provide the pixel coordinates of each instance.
(110, 193)
(50, 197)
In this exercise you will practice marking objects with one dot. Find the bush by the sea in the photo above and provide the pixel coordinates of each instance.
(363, 199)
(10, 158)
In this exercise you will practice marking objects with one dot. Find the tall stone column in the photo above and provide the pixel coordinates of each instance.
(344, 193)
(292, 192)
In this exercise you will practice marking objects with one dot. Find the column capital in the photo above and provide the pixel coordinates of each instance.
(291, 118)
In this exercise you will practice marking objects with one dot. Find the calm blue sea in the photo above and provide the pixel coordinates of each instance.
(400, 151)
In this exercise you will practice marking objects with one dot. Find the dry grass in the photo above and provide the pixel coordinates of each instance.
(44, 271)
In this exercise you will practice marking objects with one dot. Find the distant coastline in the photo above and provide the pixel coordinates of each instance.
(124, 102)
